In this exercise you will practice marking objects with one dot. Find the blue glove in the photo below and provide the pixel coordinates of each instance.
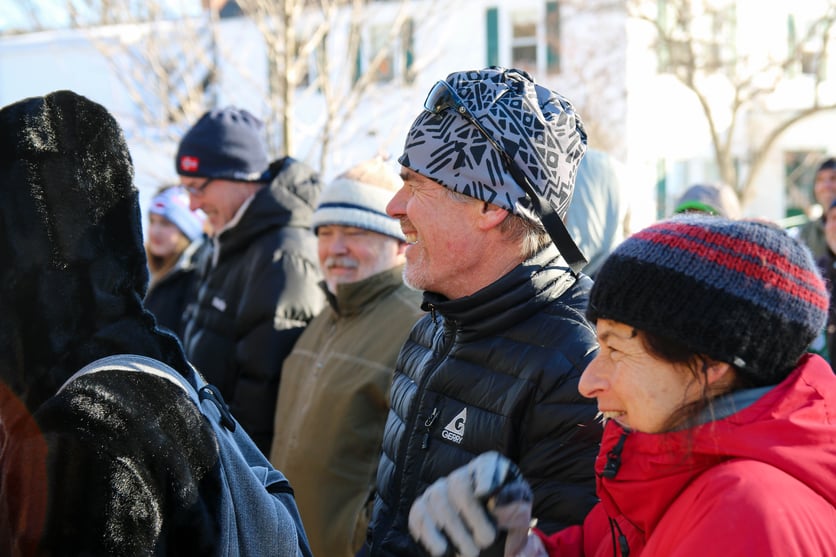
(466, 509)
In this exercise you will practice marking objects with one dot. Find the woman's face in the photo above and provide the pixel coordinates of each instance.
(633, 387)
(163, 236)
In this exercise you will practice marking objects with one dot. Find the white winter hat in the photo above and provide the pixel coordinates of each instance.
(358, 197)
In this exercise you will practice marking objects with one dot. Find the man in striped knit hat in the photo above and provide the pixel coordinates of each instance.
(334, 395)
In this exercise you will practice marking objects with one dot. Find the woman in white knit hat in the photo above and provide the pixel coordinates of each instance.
(173, 242)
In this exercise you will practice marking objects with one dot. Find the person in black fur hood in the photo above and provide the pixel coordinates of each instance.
(118, 463)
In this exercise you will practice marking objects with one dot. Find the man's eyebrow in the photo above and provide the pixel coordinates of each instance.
(406, 174)
(606, 335)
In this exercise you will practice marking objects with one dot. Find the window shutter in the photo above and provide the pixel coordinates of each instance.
(552, 37)
(492, 35)
(358, 63)
(408, 46)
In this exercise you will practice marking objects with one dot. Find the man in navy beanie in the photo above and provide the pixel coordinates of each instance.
(258, 288)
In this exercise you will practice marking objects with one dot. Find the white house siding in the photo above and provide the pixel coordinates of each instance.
(646, 120)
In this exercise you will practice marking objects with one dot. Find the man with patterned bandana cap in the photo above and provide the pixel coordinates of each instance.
(489, 169)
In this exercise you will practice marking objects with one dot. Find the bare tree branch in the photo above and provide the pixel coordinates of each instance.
(696, 59)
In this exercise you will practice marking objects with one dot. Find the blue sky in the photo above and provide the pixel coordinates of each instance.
(14, 15)
(52, 14)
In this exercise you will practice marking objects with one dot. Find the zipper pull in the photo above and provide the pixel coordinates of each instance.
(614, 458)
(425, 444)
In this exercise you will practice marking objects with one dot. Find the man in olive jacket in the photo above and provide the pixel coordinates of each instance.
(259, 287)
(495, 364)
(334, 393)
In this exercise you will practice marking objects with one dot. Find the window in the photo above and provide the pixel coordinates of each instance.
(530, 41)
(524, 40)
(392, 57)
(800, 172)
(381, 53)
(694, 37)
(808, 52)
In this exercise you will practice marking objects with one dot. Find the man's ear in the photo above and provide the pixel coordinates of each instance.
(491, 216)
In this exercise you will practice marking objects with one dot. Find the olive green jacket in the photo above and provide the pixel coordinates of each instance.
(332, 406)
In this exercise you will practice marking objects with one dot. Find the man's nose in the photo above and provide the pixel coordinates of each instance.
(194, 203)
(338, 244)
(395, 207)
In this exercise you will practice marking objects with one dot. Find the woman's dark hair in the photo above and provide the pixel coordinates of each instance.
(675, 352)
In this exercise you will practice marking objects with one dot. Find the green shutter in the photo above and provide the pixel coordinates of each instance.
(358, 62)
(661, 190)
(408, 45)
(552, 37)
(492, 35)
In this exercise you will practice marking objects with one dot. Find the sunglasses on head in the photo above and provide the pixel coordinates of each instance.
(443, 97)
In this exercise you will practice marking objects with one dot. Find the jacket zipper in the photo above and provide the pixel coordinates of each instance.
(404, 444)
(428, 423)
(619, 540)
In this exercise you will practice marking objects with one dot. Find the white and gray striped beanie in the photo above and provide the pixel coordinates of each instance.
(358, 197)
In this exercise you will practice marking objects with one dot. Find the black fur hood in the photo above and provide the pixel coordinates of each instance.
(74, 271)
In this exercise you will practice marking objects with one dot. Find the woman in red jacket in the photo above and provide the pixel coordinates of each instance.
(721, 429)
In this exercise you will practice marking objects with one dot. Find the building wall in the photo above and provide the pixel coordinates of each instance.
(607, 69)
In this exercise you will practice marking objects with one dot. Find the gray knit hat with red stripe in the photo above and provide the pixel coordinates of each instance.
(741, 292)
(537, 127)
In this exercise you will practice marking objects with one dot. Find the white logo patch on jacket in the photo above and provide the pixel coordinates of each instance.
(454, 431)
(219, 304)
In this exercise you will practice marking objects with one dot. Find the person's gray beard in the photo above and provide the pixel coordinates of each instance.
(346, 262)
(406, 280)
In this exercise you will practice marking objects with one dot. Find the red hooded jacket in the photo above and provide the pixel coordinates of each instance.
(761, 481)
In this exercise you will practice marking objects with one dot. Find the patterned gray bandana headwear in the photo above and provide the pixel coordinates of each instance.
(537, 127)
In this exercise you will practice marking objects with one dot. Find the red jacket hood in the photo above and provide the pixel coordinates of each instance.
(792, 427)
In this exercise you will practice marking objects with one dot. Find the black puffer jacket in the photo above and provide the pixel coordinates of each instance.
(497, 370)
(257, 293)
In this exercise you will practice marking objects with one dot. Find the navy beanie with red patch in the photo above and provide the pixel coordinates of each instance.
(741, 292)
(226, 143)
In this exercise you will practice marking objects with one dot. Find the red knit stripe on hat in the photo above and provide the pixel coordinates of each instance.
(740, 256)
